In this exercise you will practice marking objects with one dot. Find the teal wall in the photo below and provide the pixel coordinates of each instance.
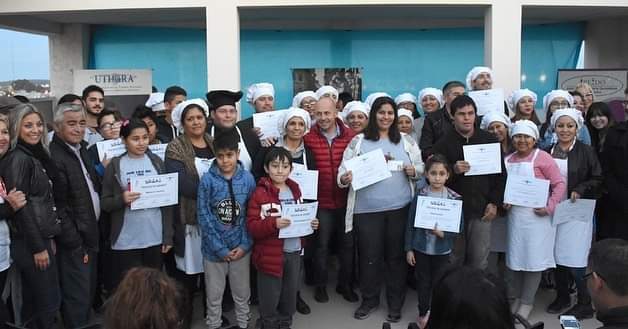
(392, 60)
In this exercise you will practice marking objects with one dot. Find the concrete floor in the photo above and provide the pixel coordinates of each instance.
(338, 314)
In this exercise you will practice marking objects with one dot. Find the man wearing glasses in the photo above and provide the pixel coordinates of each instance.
(607, 280)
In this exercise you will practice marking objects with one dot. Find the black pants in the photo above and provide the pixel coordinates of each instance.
(278, 295)
(427, 270)
(564, 275)
(40, 288)
(124, 260)
(382, 257)
(4, 310)
(332, 226)
(78, 285)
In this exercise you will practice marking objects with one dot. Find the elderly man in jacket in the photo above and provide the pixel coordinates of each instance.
(78, 205)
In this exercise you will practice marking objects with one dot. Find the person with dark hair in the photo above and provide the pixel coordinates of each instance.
(614, 158)
(70, 98)
(78, 205)
(381, 209)
(343, 98)
(581, 171)
(607, 281)
(23, 99)
(439, 123)
(578, 102)
(482, 194)
(277, 259)
(428, 250)
(599, 119)
(145, 298)
(7, 103)
(588, 96)
(138, 237)
(150, 119)
(109, 124)
(328, 139)
(173, 96)
(552, 101)
(466, 297)
(29, 168)
(223, 193)
(190, 155)
(522, 102)
(94, 101)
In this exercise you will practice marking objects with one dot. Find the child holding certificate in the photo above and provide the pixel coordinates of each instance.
(277, 260)
(428, 250)
(223, 194)
(138, 237)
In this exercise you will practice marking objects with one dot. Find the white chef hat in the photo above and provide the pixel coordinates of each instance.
(575, 114)
(517, 95)
(525, 127)
(437, 93)
(258, 90)
(473, 74)
(320, 92)
(405, 112)
(370, 99)
(405, 97)
(178, 110)
(354, 106)
(298, 98)
(156, 102)
(291, 113)
(494, 116)
(549, 97)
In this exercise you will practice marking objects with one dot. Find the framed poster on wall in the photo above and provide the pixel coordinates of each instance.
(343, 79)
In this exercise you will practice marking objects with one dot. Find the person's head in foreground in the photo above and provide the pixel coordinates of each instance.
(145, 299)
(607, 276)
(468, 298)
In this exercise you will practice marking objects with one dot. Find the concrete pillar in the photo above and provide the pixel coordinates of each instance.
(69, 50)
(502, 44)
(223, 45)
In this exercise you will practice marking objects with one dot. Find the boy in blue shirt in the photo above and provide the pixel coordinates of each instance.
(223, 194)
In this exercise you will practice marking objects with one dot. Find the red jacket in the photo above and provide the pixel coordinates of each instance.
(267, 247)
(328, 159)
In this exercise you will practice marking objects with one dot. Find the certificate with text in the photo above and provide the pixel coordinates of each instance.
(110, 148)
(368, 169)
(155, 191)
(444, 214)
(490, 100)
(301, 216)
(483, 159)
(268, 123)
(159, 150)
(307, 180)
(567, 211)
(526, 191)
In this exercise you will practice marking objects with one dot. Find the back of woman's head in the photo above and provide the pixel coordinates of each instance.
(468, 298)
(145, 299)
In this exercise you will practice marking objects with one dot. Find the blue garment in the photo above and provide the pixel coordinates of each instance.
(218, 198)
(142, 228)
(549, 138)
(423, 240)
(393, 192)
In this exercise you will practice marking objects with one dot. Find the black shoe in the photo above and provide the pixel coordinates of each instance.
(225, 322)
(320, 295)
(385, 325)
(302, 306)
(393, 317)
(364, 311)
(348, 294)
(558, 305)
(580, 311)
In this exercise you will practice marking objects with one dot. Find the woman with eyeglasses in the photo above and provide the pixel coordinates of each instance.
(109, 123)
(587, 95)
(306, 100)
(552, 101)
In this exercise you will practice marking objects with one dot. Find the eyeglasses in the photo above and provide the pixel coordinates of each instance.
(587, 276)
(308, 104)
(109, 126)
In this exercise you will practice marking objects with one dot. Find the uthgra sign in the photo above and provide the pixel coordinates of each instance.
(115, 82)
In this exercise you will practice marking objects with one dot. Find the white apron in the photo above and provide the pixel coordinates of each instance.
(573, 238)
(530, 238)
(245, 157)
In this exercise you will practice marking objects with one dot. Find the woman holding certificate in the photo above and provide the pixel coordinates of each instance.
(530, 235)
(381, 209)
(186, 155)
(138, 237)
(581, 170)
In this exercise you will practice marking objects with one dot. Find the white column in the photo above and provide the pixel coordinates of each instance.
(502, 44)
(223, 45)
(69, 50)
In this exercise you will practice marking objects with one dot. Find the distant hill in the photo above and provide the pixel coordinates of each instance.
(34, 81)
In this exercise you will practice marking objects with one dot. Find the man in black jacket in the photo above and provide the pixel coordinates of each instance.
(78, 205)
(614, 159)
(607, 280)
(481, 194)
(438, 123)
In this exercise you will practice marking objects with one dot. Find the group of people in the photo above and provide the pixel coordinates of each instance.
(71, 233)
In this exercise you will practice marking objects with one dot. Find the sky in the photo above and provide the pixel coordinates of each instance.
(26, 56)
